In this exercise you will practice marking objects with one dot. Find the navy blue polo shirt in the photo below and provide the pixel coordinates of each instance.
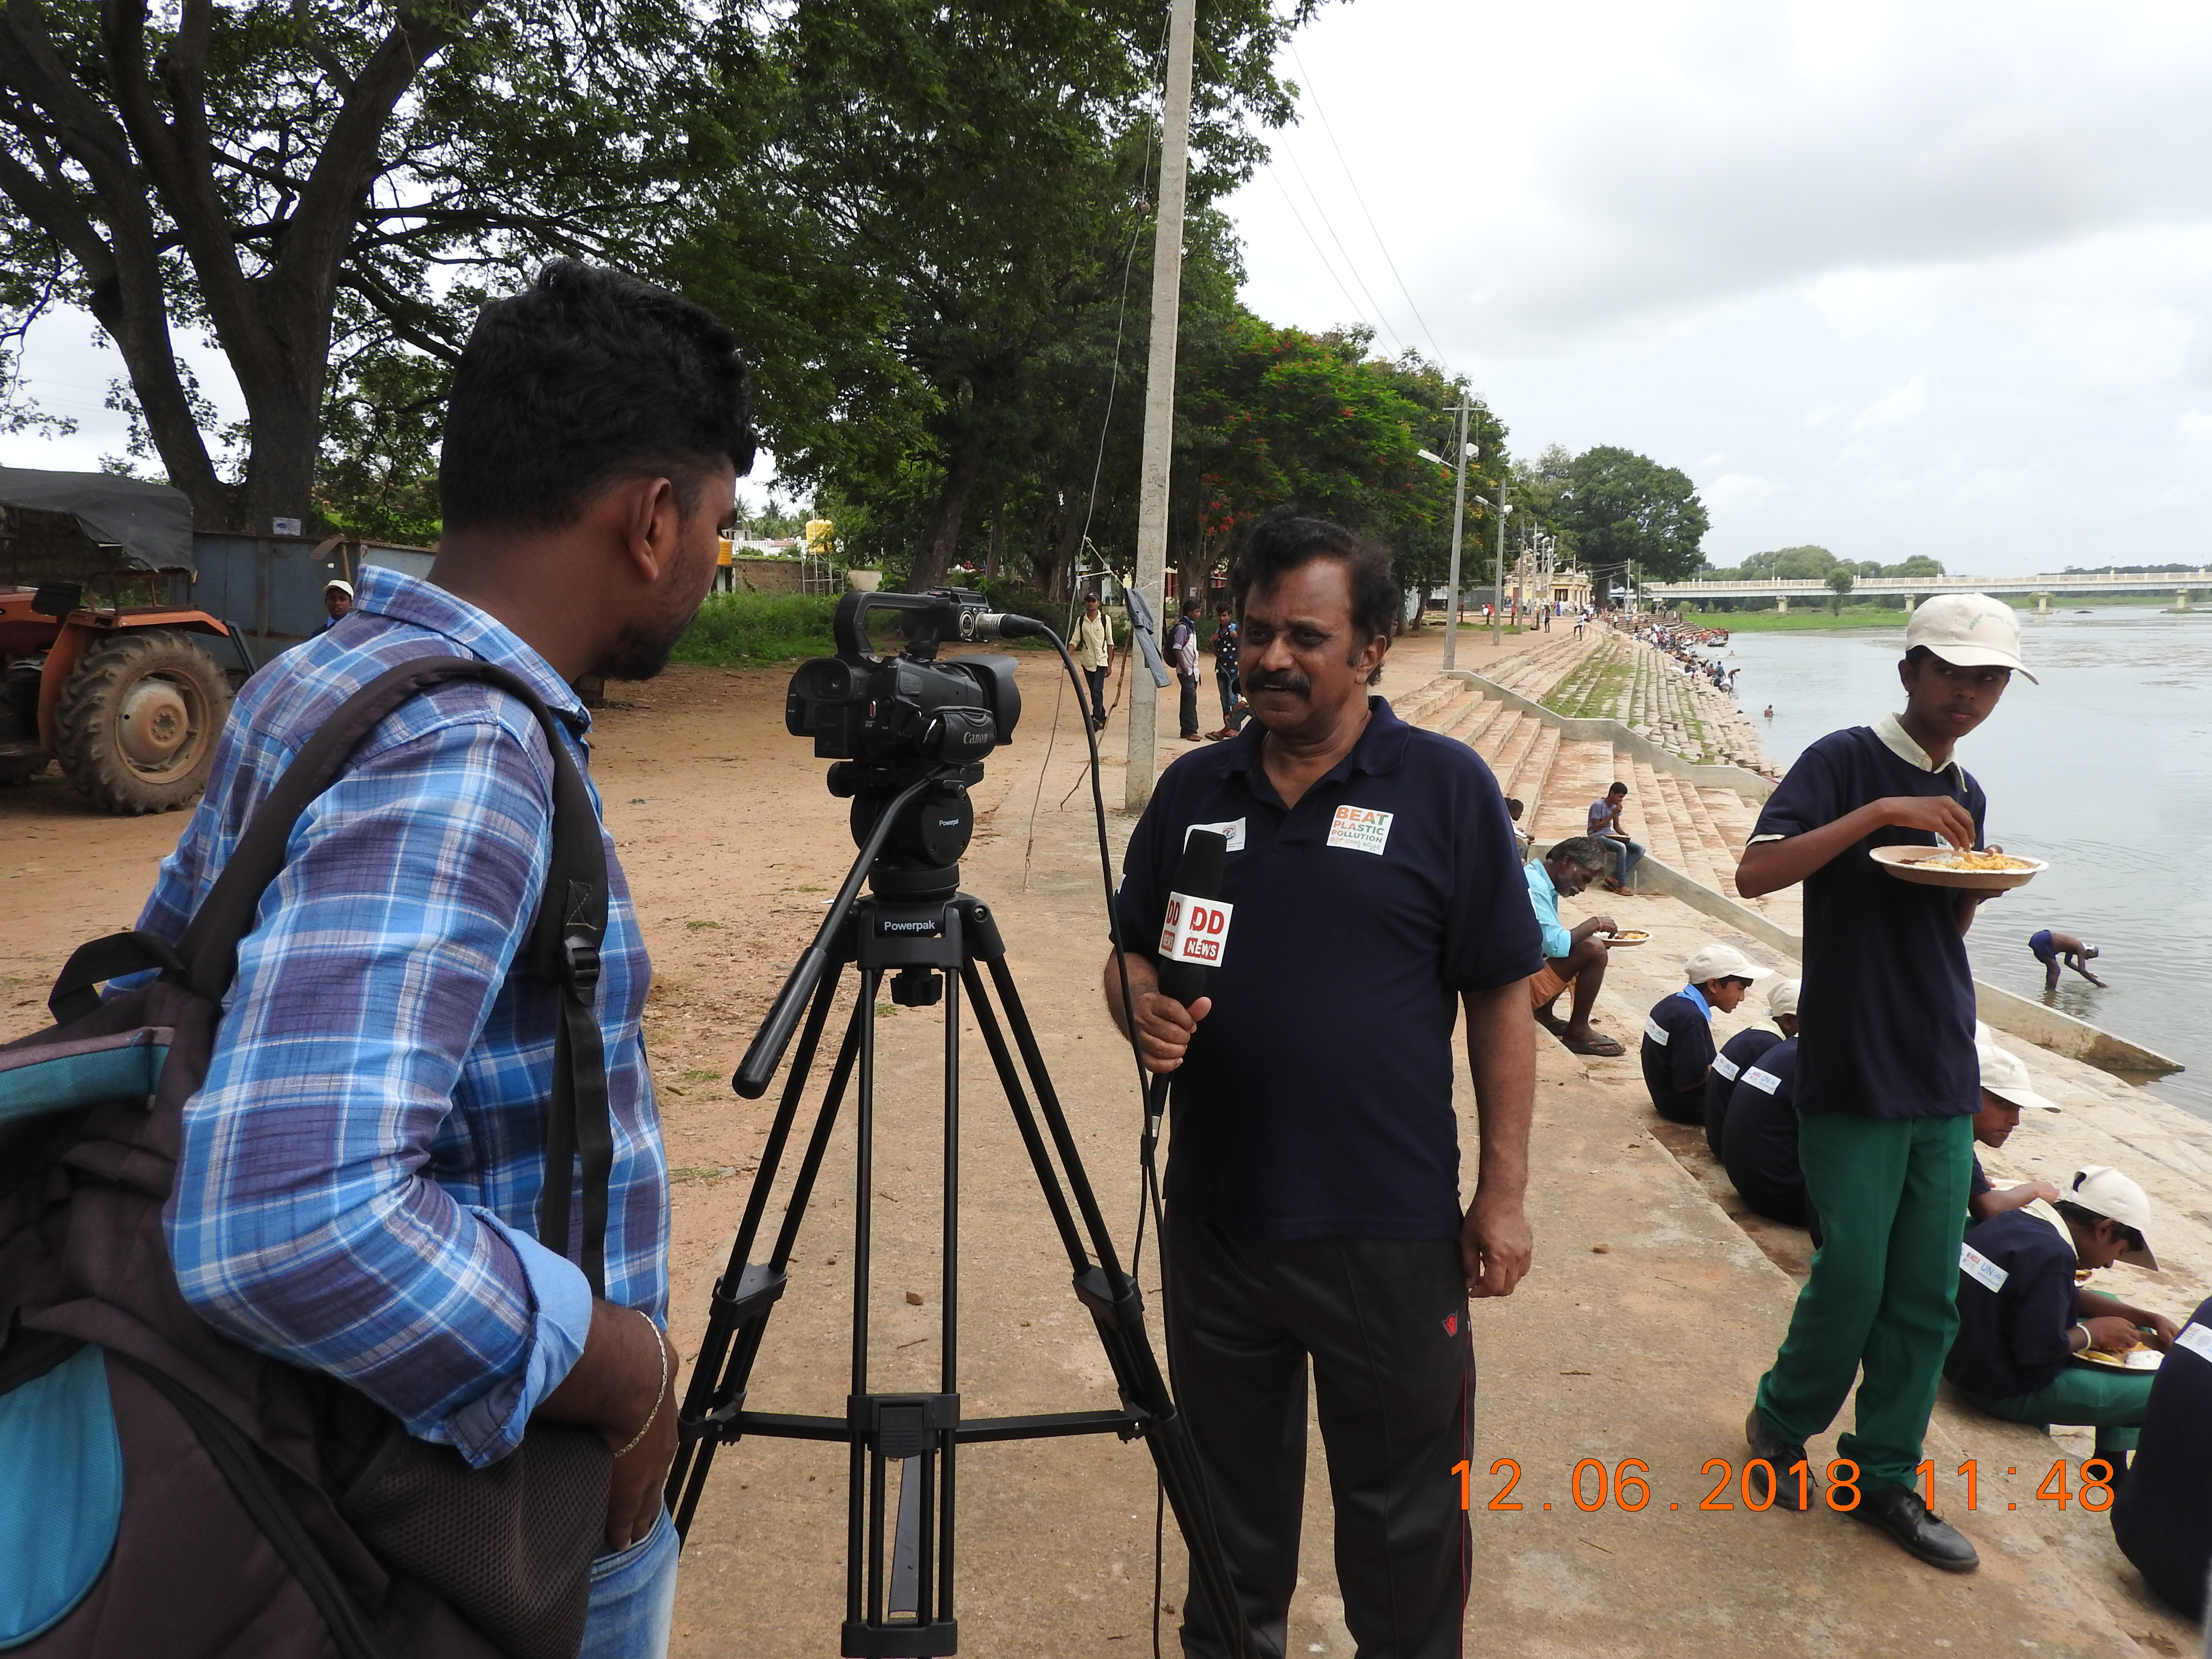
(1888, 996)
(2162, 1514)
(1976, 1183)
(2012, 1338)
(1758, 1146)
(1735, 1053)
(1678, 1046)
(1315, 1099)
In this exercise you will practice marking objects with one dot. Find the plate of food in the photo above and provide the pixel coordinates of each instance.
(1949, 866)
(1627, 936)
(2140, 1358)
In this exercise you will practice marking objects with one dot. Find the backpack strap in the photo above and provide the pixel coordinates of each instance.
(572, 921)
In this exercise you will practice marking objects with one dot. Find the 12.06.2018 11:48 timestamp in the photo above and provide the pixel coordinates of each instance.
(1627, 1484)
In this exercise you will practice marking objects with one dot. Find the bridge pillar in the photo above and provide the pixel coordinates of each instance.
(1909, 603)
(1782, 605)
(2042, 605)
(2181, 600)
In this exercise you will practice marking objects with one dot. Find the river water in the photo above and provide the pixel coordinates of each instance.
(2104, 770)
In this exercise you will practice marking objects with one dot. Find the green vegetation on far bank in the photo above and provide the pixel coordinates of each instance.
(1775, 622)
(742, 628)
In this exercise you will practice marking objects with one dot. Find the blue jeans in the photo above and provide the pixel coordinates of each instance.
(634, 1598)
(1626, 854)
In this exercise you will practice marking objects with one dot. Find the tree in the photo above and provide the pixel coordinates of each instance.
(1839, 584)
(1621, 505)
(303, 178)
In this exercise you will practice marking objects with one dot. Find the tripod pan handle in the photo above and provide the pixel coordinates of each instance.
(757, 1069)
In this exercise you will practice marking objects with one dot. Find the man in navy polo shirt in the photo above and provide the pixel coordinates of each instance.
(1314, 1182)
(1678, 1033)
(1739, 1051)
(1888, 1083)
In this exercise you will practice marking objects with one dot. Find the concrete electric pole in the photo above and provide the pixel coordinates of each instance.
(1159, 395)
(1459, 523)
(1497, 573)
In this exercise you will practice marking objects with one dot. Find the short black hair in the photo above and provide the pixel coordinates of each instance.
(1618, 789)
(1513, 801)
(1285, 541)
(587, 376)
(2089, 1218)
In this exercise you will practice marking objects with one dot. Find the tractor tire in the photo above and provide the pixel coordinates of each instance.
(137, 725)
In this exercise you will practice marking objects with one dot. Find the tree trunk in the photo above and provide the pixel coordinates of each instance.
(940, 539)
(1194, 571)
(1069, 551)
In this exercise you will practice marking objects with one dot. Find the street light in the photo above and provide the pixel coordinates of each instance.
(1459, 521)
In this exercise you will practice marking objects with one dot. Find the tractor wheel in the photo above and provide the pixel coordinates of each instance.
(138, 721)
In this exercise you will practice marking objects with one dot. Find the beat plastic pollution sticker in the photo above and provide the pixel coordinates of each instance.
(1360, 827)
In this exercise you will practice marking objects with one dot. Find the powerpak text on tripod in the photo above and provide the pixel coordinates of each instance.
(907, 734)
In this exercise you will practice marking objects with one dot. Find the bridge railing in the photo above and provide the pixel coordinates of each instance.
(2170, 581)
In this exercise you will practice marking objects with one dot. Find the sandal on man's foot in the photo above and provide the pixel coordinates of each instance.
(1597, 1045)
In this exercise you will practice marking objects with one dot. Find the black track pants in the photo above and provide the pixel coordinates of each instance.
(1384, 1322)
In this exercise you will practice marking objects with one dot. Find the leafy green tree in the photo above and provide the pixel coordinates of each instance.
(1621, 505)
(1839, 584)
(1918, 565)
(296, 178)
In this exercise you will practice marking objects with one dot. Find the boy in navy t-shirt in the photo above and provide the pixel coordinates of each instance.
(1678, 1033)
(1886, 1080)
(2162, 1512)
(1739, 1051)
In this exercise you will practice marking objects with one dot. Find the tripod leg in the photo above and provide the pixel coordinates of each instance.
(1117, 1306)
(738, 1313)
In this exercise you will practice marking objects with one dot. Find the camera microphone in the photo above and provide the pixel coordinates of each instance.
(1004, 625)
(1192, 936)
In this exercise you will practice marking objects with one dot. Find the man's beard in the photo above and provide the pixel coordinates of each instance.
(640, 652)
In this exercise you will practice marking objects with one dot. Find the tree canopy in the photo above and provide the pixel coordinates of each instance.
(1623, 507)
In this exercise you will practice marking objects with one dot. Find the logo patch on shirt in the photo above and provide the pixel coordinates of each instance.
(1360, 827)
(1979, 1268)
(2196, 1340)
(1451, 1324)
(1765, 1082)
(1658, 1033)
(1232, 832)
(1725, 1067)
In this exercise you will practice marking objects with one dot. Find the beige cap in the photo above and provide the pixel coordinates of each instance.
(1783, 999)
(345, 588)
(2005, 1075)
(1722, 961)
(2100, 1188)
(1970, 629)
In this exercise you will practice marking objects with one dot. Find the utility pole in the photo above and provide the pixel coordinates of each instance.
(1459, 523)
(1159, 395)
(1497, 571)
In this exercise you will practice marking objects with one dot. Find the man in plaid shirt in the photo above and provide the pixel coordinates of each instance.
(360, 1175)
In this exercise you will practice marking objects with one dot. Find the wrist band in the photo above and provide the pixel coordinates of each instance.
(2087, 1340)
(661, 1394)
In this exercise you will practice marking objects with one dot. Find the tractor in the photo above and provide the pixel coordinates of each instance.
(105, 665)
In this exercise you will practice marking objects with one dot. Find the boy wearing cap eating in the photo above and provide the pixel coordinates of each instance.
(1886, 1080)
(2007, 1091)
(1739, 1051)
(2021, 1317)
(1678, 1035)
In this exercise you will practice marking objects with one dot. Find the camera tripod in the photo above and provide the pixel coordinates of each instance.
(937, 944)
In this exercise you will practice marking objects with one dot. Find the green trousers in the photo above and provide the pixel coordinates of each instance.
(1890, 1194)
(2112, 1402)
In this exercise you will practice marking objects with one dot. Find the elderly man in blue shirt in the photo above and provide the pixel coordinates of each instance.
(1574, 956)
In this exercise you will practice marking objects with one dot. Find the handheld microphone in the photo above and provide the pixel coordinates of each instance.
(1192, 936)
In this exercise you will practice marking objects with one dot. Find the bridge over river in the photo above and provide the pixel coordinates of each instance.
(1913, 589)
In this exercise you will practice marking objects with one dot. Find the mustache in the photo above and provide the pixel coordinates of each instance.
(1281, 679)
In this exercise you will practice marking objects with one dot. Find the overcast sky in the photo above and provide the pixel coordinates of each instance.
(1895, 279)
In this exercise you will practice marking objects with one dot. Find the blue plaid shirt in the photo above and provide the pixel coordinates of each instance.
(360, 1175)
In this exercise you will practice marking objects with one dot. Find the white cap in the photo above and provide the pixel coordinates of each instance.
(1970, 629)
(1722, 961)
(1783, 999)
(2109, 1193)
(345, 588)
(2004, 1074)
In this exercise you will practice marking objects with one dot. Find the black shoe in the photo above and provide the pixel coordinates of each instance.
(1781, 1455)
(1918, 1530)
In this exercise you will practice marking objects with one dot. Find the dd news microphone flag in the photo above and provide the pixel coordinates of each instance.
(1192, 936)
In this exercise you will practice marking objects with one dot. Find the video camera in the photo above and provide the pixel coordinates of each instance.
(894, 712)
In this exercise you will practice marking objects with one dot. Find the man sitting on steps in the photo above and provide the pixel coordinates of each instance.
(1576, 956)
(1605, 827)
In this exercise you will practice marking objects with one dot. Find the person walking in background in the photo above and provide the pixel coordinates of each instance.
(2050, 948)
(1094, 653)
(1182, 652)
(1887, 1081)
(1224, 672)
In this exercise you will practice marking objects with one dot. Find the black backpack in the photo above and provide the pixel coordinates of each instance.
(209, 1500)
